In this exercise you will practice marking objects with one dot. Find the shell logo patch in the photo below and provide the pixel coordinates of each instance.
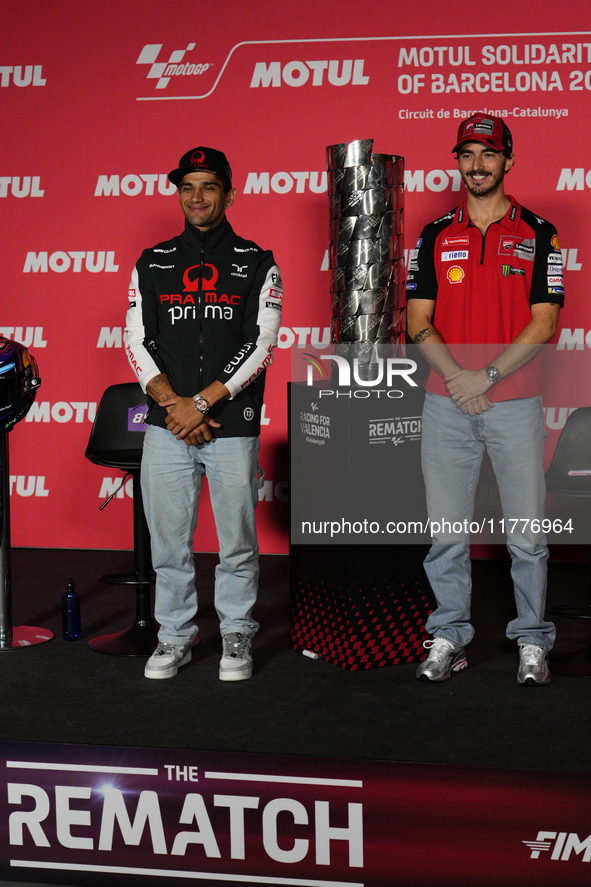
(555, 242)
(455, 274)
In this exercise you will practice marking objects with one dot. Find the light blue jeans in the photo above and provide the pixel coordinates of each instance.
(171, 484)
(453, 444)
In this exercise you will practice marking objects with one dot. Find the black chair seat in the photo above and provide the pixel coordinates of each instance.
(117, 442)
(572, 454)
(579, 487)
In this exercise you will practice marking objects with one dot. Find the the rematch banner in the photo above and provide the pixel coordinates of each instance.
(99, 103)
(104, 815)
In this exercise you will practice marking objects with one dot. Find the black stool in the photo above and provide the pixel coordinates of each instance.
(573, 453)
(115, 444)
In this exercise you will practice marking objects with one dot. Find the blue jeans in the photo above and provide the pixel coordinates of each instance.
(453, 444)
(171, 483)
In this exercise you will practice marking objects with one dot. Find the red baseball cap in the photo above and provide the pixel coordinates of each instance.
(491, 131)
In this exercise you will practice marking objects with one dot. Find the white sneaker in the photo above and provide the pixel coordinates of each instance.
(166, 660)
(444, 657)
(533, 665)
(236, 661)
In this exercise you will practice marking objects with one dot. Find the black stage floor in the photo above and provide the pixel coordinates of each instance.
(62, 692)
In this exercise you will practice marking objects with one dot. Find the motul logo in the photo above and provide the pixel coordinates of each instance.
(556, 417)
(317, 337)
(76, 260)
(29, 336)
(133, 185)
(110, 337)
(574, 179)
(31, 485)
(433, 180)
(61, 411)
(271, 492)
(284, 182)
(111, 486)
(22, 75)
(574, 340)
(27, 186)
(338, 73)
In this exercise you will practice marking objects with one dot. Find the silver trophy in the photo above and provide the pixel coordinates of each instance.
(366, 250)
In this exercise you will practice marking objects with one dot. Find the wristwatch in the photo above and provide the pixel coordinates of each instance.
(492, 374)
(201, 404)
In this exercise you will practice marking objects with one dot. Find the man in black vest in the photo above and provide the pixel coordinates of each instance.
(204, 313)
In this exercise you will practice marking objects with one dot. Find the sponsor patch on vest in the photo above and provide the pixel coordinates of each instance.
(460, 240)
(525, 251)
(455, 256)
(455, 274)
(509, 269)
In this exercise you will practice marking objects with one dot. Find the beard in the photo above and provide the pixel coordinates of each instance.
(489, 185)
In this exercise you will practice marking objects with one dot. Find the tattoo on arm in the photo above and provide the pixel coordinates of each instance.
(424, 334)
(159, 388)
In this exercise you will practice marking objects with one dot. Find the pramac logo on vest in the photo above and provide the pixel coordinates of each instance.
(192, 286)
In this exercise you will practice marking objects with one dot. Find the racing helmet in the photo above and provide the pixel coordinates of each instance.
(19, 381)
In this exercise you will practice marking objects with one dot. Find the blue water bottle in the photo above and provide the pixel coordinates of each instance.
(71, 612)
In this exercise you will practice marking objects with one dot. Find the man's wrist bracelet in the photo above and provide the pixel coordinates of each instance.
(201, 404)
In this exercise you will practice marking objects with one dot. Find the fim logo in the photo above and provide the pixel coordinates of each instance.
(395, 431)
(564, 844)
(163, 71)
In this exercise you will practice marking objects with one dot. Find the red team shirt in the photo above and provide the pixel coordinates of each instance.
(484, 286)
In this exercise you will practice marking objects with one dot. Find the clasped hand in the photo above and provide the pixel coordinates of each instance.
(468, 389)
(187, 423)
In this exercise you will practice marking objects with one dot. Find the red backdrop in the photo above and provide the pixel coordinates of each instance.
(98, 104)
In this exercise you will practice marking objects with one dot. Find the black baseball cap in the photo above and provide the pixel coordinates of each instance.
(202, 160)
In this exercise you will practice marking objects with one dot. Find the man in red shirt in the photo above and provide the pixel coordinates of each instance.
(488, 275)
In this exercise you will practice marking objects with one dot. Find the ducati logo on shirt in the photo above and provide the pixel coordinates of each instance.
(455, 274)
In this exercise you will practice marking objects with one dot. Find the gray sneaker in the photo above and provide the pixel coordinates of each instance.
(166, 660)
(236, 661)
(444, 657)
(533, 665)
